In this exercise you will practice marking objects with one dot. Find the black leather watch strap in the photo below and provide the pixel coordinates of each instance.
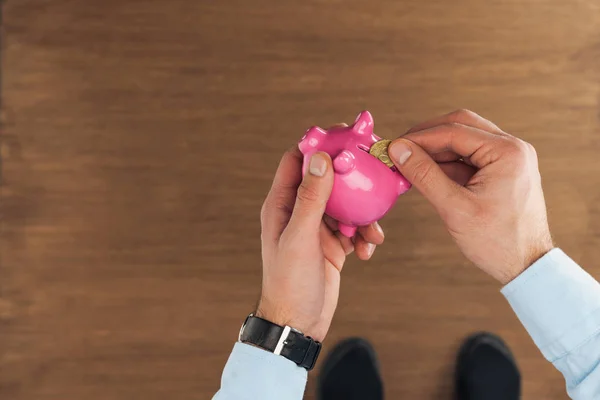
(283, 340)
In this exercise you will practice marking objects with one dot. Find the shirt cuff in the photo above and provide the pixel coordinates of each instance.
(557, 302)
(253, 373)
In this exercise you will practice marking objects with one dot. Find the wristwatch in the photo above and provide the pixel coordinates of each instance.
(281, 340)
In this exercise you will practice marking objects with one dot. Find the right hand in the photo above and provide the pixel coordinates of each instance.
(486, 186)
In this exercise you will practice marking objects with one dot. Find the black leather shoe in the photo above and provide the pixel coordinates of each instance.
(486, 370)
(350, 372)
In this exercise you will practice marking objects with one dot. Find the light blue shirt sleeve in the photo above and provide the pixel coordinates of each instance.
(559, 305)
(252, 374)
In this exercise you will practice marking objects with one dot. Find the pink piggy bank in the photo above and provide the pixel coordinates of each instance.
(364, 188)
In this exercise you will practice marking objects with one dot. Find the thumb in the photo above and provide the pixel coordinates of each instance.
(423, 172)
(313, 193)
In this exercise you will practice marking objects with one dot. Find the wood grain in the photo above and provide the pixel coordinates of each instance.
(140, 137)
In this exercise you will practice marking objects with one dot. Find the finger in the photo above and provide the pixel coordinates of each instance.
(458, 171)
(425, 174)
(332, 249)
(313, 194)
(479, 146)
(363, 249)
(278, 205)
(446, 156)
(372, 233)
(331, 223)
(463, 117)
(450, 156)
(346, 242)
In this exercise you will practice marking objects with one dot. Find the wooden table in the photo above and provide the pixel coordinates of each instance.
(139, 139)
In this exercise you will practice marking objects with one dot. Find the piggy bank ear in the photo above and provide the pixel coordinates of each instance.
(311, 140)
(364, 123)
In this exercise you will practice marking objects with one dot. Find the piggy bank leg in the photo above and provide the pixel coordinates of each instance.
(347, 230)
(344, 162)
(403, 185)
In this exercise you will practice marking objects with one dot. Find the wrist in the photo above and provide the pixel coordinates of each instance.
(282, 341)
(274, 317)
(535, 253)
(282, 318)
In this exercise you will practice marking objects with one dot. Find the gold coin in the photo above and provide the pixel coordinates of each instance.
(379, 150)
(379, 147)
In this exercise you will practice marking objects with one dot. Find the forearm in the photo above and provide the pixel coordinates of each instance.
(559, 305)
(252, 373)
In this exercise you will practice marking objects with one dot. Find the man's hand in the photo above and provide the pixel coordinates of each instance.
(486, 186)
(303, 254)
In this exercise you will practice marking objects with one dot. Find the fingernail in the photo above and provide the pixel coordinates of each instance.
(400, 151)
(348, 250)
(378, 228)
(318, 165)
(370, 249)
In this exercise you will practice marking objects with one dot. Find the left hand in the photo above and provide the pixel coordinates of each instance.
(303, 254)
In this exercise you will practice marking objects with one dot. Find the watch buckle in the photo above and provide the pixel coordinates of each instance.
(282, 340)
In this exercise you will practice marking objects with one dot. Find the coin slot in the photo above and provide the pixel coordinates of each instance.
(363, 147)
(367, 149)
